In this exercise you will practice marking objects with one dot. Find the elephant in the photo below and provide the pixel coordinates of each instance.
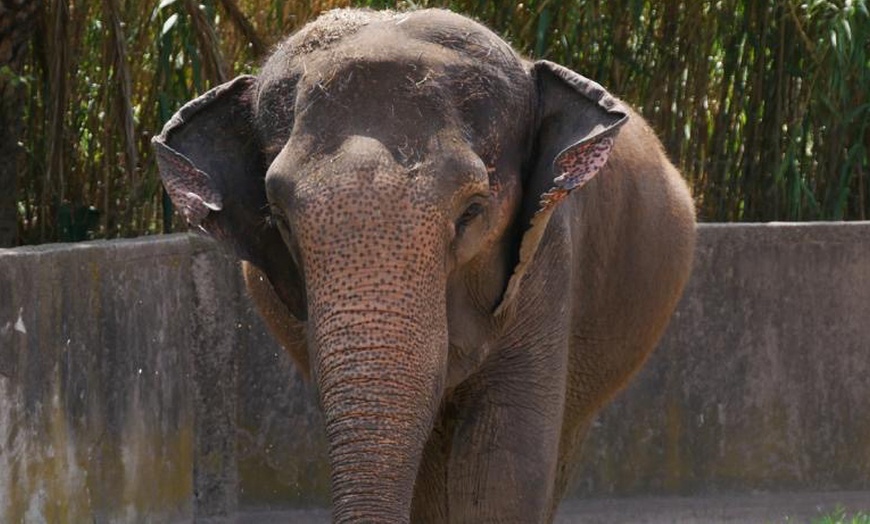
(404, 192)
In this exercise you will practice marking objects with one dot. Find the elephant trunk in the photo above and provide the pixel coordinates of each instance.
(372, 252)
(380, 368)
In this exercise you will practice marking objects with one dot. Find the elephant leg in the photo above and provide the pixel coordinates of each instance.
(503, 461)
(597, 372)
(574, 430)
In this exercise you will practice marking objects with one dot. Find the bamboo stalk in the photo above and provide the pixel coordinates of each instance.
(763, 105)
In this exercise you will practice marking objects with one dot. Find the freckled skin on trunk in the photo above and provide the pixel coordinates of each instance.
(377, 316)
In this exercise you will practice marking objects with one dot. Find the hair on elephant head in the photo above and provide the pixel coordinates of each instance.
(401, 182)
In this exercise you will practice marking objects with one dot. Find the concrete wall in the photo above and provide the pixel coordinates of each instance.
(762, 381)
(107, 351)
(95, 420)
(135, 380)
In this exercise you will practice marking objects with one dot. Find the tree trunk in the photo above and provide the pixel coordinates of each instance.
(16, 26)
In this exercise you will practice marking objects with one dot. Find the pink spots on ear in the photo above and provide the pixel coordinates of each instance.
(190, 189)
(577, 165)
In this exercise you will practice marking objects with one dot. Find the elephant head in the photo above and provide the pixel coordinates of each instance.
(392, 174)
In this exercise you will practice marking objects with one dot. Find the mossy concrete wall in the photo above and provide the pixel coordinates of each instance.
(136, 383)
(762, 381)
(135, 380)
(96, 423)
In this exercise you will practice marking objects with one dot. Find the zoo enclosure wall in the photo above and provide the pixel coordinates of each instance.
(136, 380)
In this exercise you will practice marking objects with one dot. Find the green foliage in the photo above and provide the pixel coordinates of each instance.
(839, 516)
(762, 104)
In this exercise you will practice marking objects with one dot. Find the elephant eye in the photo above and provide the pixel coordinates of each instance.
(275, 217)
(473, 211)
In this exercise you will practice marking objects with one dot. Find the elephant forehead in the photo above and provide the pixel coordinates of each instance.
(407, 100)
(447, 173)
(406, 72)
(418, 59)
(417, 84)
(445, 97)
(363, 170)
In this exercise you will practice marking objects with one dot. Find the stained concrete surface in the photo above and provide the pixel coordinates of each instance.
(762, 380)
(136, 383)
(723, 509)
(96, 424)
(760, 383)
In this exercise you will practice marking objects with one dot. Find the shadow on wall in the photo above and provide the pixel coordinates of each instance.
(136, 380)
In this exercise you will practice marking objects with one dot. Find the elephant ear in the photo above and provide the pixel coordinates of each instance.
(213, 167)
(576, 129)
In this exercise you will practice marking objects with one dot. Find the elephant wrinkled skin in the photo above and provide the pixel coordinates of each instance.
(401, 189)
